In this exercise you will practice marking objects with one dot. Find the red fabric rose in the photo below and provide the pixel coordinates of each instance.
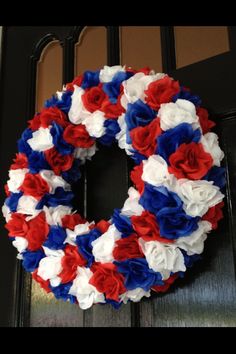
(131, 70)
(47, 116)
(70, 221)
(127, 247)
(146, 70)
(144, 139)
(70, 261)
(161, 91)
(190, 161)
(112, 111)
(6, 189)
(214, 214)
(78, 80)
(78, 136)
(167, 284)
(92, 226)
(145, 225)
(37, 232)
(136, 177)
(206, 124)
(70, 87)
(103, 226)
(93, 98)
(17, 226)
(20, 161)
(34, 185)
(58, 162)
(35, 122)
(108, 280)
(43, 283)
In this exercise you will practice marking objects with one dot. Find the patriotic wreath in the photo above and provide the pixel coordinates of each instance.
(175, 201)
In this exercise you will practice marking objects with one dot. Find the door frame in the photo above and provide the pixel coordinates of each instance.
(16, 289)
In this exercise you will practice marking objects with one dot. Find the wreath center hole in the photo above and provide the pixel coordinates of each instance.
(103, 185)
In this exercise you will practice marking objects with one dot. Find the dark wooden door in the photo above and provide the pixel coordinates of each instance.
(207, 295)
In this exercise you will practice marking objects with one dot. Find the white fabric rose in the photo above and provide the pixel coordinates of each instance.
(6, 212)
(59, 95)
(86, 294)
(41, 140)
(54, 215)
(80, 229)
(54, 181)
(182, 111)
(84, 153)
(131, 205)
(135, 86)
(16, 179)
(162, 257)
(121, 136)
(134, 295)
(95, 124)
(103, 246)
(194, 243)
(55, 281)
(108, 72)
(198, 196)
(27, 204)
(155, 172)
(50, 267)
(54, 253)
(210, 143)
(20, 243)
(77, 112)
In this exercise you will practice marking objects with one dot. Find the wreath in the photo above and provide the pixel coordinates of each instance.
(175, 200)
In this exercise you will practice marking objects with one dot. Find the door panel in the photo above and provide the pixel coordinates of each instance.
(207, 295)
(49, 73)
(91, 49)
(195, 43)
(141, 46)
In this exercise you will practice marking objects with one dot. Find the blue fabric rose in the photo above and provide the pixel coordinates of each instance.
(186, 95)
(138, 274)
(112, 128)
(63, 104)
(217, 175)
(175, 223)
(190, 260)
(59, 143)
(154, 199)
(84, 243)
(61, 292)
(12, 201)
(137, 157)
(112, 88)
(60, 197)
(37, 162)
(122, 223)
(138, 114)
(23, 146)
(90, 79)
(73, 174)
(31, 259)
(169, 141)
(55, 238)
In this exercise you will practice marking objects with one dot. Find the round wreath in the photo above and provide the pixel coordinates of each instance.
(160, 230)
